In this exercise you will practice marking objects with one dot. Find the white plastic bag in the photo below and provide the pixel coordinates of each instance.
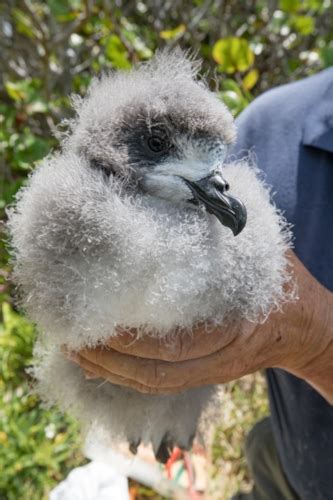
(94, 481)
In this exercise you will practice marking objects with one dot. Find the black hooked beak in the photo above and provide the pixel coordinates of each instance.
(211, 192)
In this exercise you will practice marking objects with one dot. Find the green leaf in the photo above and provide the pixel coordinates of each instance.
(59, 8)
(229, 84)
(116, 52)
(294, 63)
(23, 23)
(16, 91)
(173, 33)
(28, 151)
(7, 193)
(250, 79)
(233, 54)
(235, 102)
(136, 38)
(326, 55)
(313, 4)
(24, 90)
(290, 5)
(303, 24)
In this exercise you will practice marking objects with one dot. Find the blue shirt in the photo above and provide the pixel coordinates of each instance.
(290, 130)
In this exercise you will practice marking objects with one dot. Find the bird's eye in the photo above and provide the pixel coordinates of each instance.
(157, 144)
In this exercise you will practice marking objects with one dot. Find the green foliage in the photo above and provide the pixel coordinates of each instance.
(51, 48)
(233, 54)
(326, 54)
(116, 52)
(250, 79)
(37, 447)
(244, 403)
(290, 5)
(235, 96)
(173, 33)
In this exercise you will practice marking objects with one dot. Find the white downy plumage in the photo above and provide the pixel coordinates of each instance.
(106, 233)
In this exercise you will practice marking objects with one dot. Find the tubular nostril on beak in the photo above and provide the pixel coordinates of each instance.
(219, 183)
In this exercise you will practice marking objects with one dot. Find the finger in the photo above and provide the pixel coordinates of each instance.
(229, 363)
(150, 372)
(146, 389)
(100, 372)
(181, 346)
(233, 369)
(109, 364)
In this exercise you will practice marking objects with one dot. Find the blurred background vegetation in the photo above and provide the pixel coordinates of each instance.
(50, 49)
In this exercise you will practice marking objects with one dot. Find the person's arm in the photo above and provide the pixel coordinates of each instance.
(312, 323)
(298, 339)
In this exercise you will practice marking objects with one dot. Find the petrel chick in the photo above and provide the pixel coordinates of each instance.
(139, 222)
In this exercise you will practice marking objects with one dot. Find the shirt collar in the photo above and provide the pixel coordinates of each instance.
(318, 128)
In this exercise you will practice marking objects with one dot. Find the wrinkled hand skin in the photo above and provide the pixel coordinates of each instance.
(298, 339)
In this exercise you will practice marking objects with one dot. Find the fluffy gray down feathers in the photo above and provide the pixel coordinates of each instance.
(90, 254)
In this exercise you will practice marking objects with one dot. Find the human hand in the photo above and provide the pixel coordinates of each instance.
(298, 339)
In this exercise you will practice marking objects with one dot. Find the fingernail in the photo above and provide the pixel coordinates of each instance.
(90, 376)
